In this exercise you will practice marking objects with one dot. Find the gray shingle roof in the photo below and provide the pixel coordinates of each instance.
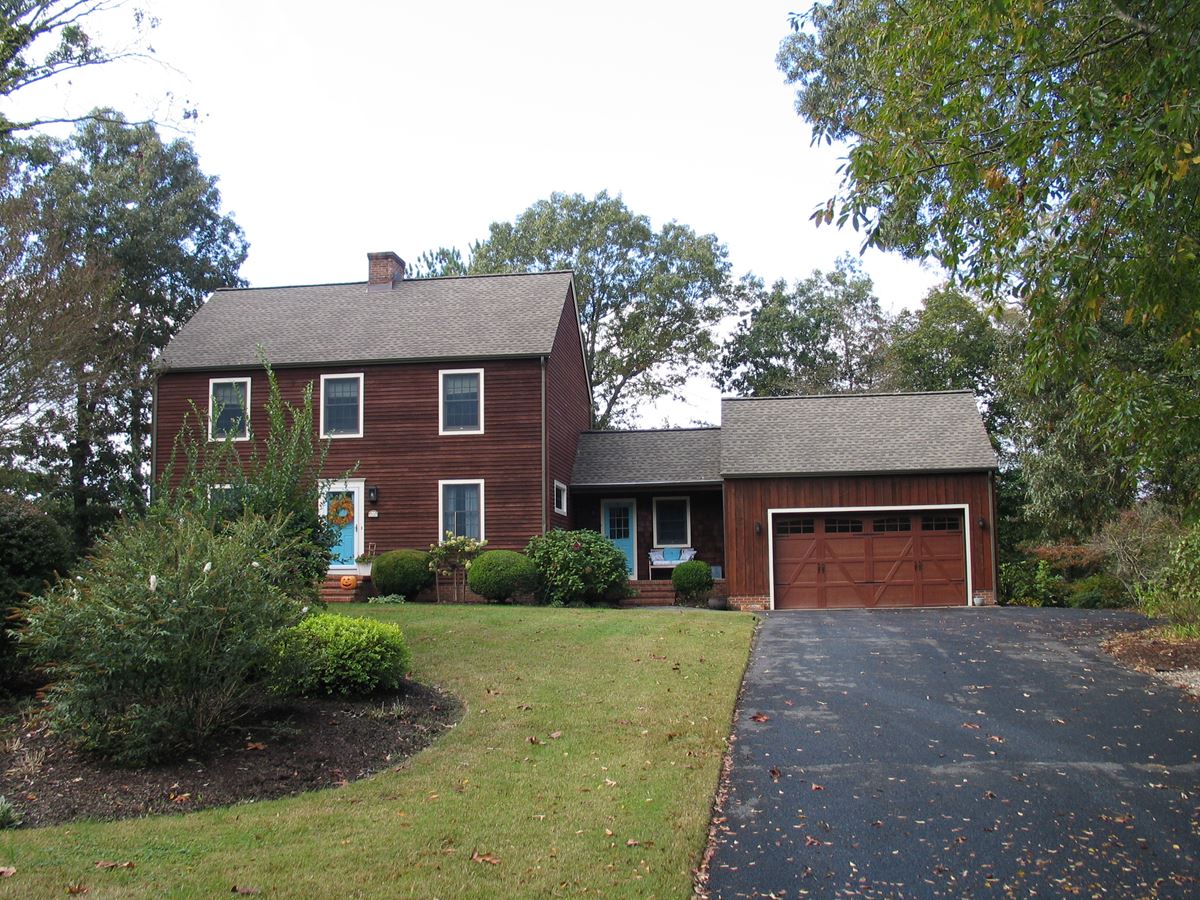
(433, 318)
(678, 456)
(853, 433)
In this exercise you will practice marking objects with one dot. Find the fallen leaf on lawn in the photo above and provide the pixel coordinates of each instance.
(8, 871)
(109, 864)
(238, 889)
(77, 889)
(256, 745)
(533, 739)
(488, 858)
(774, 773)
(555, 735)
(818, 787)
(608, 782)
(524, 706)
(632, 843)
(760, 717)
(608, 832)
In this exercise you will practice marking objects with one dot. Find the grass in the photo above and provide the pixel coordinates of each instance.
(617, 805)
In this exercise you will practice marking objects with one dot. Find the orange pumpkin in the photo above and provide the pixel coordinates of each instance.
(349, 582)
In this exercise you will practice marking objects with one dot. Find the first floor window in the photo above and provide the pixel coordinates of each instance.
(462, 509)
(341, 406)
(229, 404)
(672, 525)
(560, 498)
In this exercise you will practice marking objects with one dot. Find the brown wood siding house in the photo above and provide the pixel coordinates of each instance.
(465, 404)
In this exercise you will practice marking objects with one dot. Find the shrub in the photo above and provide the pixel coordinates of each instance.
(692, 580)
(404, 572)
(1137, 544)
(1097, 591)
(500, 575)
(1027, 580)
(9, 816)
(1174, 593)
(33, 550)
(578, 567)
(393, 599)
(333, 654)
(166, 635)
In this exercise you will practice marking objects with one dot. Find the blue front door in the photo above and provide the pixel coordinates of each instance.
(342, 512)
(619, 524)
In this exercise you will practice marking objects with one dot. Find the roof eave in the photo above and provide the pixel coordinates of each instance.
(830, 473)
(349, 362)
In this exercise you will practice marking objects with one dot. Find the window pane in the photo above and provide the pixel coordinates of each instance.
(460, 402)
(460, 510)
(672, 521)
(341, 405)
(796, 526)
(229, 409)
(618, 523)
(893, 523)
(843, 526)
(937, 522)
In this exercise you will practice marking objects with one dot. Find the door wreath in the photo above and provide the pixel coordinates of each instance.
(341, 511)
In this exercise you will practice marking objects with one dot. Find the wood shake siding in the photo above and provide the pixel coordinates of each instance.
(400, 451)
(748, 499)
(568, 408)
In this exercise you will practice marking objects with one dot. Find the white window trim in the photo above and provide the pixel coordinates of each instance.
(558, 485)
(321, 400)
(654, 518)
(213, 382)
(771, 513)
(357, 487)
(441, 535)
(442, 373)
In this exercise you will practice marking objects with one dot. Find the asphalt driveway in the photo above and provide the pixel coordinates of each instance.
(957, 752)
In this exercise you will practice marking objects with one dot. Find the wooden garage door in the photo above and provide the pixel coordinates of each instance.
(870, 559)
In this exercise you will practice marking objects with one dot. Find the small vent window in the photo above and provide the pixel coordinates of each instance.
(796, 526)
(843, 526)
(893, 523)
(931, 522)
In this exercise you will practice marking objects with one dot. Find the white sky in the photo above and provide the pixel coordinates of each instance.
(338, 129)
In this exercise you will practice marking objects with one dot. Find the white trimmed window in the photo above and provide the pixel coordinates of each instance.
(460, 401)
(341, 406)
(460, 508)
(672, 522)
(229, 409)
(560, 498)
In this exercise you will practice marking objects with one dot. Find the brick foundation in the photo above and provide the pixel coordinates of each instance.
(989, 598)
(753, 603)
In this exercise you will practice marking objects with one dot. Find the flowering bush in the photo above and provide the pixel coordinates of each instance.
(165, 636)
(453, 558)
(578, 567)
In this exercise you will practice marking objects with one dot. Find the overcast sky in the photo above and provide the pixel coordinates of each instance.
(338, 129)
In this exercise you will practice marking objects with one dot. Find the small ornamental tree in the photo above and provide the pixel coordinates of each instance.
(578, 567)
(452, 558)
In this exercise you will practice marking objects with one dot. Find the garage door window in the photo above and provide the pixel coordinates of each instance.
(843, 526)
(939, 523)
(893, 523)
(796, 526)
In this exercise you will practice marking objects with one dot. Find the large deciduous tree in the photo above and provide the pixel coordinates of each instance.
(141, 211)
(647, 299)
(1047, 151)
(825, 335)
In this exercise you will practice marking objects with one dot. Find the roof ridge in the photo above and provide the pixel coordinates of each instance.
(319, 284)
(854, 395)
(651, 430)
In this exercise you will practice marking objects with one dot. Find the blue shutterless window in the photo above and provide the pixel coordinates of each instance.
(340, 397)
(460, 401)
(460, 510)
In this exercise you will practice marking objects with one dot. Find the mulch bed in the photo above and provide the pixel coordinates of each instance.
(296, 746)
(1150, 652)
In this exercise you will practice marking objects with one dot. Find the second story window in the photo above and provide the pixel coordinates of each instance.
(229, 409)
(461, 401)
(341, 406)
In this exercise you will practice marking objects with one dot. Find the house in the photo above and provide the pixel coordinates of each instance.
(463, 405)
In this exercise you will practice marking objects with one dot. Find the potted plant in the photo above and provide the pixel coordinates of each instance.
(363, 561)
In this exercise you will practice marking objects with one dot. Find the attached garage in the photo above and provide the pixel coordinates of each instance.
(858, 501)
(869, 558)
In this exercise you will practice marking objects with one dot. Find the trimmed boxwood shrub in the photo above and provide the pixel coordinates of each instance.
(403, 572)
(334, 654)
(500, 575)
(692, 580)
(578, 567)
(33, 550)
(166, 635)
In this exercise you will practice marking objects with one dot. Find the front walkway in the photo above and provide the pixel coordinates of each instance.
(957, 752)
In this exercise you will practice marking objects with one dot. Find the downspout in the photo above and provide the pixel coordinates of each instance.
(995, 536)
(545, 522)
(153, 436)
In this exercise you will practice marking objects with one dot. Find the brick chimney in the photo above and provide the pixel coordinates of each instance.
(384, 271)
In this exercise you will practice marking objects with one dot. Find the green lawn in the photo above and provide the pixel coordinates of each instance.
(643, 699)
